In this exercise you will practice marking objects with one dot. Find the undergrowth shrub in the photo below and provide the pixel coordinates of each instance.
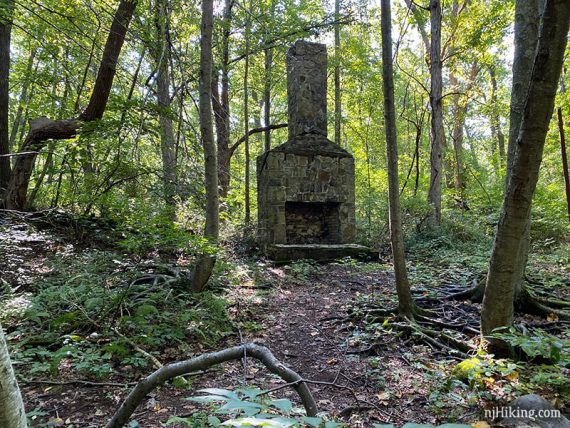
(73, 319)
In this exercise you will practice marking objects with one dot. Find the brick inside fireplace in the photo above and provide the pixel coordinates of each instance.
(312, 222)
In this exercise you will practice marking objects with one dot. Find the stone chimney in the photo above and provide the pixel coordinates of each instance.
(307, 89)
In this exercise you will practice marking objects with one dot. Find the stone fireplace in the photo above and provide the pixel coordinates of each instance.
(306, 185)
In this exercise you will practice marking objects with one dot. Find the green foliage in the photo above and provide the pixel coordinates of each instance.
(301, 269)
(71, 320)
(552, 351)
(249, 407)
(146, 231)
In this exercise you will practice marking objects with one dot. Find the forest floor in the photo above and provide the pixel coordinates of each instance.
(364, 371)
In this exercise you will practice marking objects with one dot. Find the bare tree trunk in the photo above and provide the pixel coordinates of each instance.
(524, 165)
(268, 63)
(43, 129)
(205, 263)
(221, 105)
(495, 122)
(167, 139)
(527, 21)
(337, 94)
(405, 300)
(564, 159)
(460, 105)
(6, 14)
(246, 116)
(12, 413)
(436, 103)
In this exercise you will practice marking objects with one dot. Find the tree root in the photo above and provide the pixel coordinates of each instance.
(437, 339)
(204, 362)
(533, 306)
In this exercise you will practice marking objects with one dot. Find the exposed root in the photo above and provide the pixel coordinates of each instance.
(533, 306)
(438, 340)
(474, 293)
(204, 362)
(554, 303)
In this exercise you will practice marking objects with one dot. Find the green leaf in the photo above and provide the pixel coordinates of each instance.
(412, 425)
(312, 421)
(282, 404)
(256, 422)
(454, 426)
(214, 421)
(331, 424)
(218, 391)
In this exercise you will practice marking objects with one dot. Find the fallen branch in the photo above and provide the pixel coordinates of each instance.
(204, 362)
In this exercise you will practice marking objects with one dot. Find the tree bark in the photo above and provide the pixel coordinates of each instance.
(246, 116)
(6, 16)
(527, 22)
(436, 103)
(337, 94)
(221, 104)
(564, 159)
(405, 300)
(495, 122)
(524, 164)
(167, 139)
(268, 64)
(12, 413)
(460, 105)
(44, 129)
(205, 263)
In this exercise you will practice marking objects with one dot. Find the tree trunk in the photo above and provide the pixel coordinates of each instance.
(167, 139)
(246, 116)
(495, 122)
(405, 300)
(221, 105)
(337, 95)
(6, 14)
(205, 263)
(524, 163)
(43, 129)
(460, 105)
(564, 159)
(12, 413)
(527, 22)
(268, 63)
(436, 103)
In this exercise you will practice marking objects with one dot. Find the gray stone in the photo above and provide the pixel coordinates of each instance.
(307, 88)
(526, 413)
(306, 185)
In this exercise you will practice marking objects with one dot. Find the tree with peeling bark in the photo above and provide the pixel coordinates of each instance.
(532, 104)
(205, 263)
(12, 413)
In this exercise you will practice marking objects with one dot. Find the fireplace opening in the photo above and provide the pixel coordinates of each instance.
(312, 222)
